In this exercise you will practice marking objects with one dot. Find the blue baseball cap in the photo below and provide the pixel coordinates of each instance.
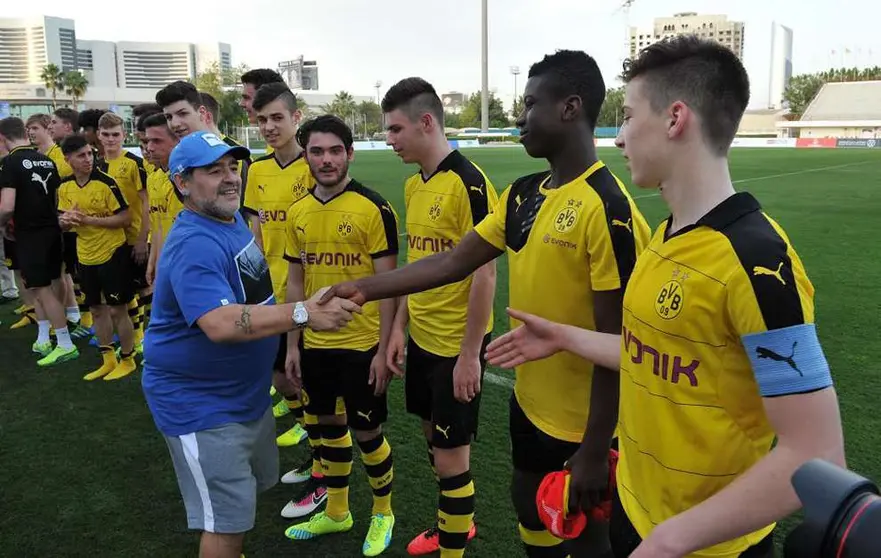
(201, 149)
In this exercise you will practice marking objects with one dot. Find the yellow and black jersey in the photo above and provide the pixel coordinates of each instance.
(563, 245)
(57, 157)
(128, 172)
(244, 164)
(441, 209)
(338, 240)
(149, 167)
(99, 197)
(716, 317)
(273, 189)
(164, 203)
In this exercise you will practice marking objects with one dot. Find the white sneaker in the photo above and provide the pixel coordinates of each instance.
(311, 501)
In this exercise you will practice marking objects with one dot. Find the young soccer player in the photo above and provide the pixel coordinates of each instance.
(277, 181)
(719, 352)
(127, 170)
(183, 108)
(342, 230)
(64, 122)
(88, 127)
(92, 204)
(139, 113)
(252, 80)
(572, 235)
(165, 205)
(28, 189)
(449, 327)
(38, 132)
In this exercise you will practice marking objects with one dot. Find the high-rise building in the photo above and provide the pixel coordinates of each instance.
(715, 27)
(300, 74)
(781, 64)
(122, 73)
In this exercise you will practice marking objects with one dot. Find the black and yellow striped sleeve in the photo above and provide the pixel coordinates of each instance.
(611, 227)
(141, 182)
(482, 197)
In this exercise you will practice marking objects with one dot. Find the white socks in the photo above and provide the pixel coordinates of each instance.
(43, 332)
(73, 314)
(63, 336)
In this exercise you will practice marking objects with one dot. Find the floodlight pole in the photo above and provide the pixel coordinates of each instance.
(484, 92)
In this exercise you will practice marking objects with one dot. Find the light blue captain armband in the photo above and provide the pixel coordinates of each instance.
(788, 361)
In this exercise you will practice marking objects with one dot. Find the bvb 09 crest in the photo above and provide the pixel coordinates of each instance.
(567, 217)
(671, 297)
(345, 227)
(434, 212)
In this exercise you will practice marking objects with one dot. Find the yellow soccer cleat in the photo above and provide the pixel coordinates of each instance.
(292, 437)
(320, 524)
(59, 355)
(125, 367)
(110, 364)
(281, 409)
(379, 536)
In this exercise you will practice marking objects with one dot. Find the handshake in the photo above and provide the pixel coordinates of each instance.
(331, 308)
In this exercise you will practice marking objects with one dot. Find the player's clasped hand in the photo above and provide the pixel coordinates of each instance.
(348, 290)
(534, 340)
(331, 314)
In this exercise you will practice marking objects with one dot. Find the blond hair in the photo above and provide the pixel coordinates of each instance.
(42, 119)
(109, 120)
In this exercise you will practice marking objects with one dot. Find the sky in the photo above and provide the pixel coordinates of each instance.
(359, 42)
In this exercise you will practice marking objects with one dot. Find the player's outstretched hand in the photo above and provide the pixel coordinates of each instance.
(534, 340)
(348, 290)
(332, 314)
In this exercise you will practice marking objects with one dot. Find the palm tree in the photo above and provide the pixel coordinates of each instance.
(75, 85)
(53, 79)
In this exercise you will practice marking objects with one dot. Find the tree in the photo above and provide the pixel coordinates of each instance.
(222, 84)
(75, 85)
(452, 120)
(371, 115)
(470, 116)
(343, 105)
(53, 79)
(610, 113)
(517, 108)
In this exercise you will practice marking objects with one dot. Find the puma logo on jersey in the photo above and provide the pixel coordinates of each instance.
(444, 431)
(262, 188)
(365, 416)
(301, 229)
(759, 270)
(617, 223)
(477, 189)
(44, 181)
(518, 201)
(387, 208)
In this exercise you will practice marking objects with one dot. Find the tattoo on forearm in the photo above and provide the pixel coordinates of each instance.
(244, 323)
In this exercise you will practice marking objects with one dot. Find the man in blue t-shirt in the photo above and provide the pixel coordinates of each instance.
(211, 344)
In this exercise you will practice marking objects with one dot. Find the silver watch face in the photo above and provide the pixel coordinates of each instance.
(300, 315)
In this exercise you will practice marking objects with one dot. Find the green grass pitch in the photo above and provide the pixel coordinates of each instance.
(85, 473)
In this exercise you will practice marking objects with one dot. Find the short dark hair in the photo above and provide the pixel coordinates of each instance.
(89, 118)
(144, 109)
(703, 74)
(272, 91)
(69, 115)
(73, 143)
(155, 121)
(13, 128)
(260, 77)
(210, 104)
(179, 91)
(574, 72)
(414, 96)
(326, 123)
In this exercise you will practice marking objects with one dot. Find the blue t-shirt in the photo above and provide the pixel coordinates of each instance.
(190, 382)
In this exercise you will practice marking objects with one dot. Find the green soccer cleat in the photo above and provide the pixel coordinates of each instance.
(318, 526)
(292, 437)
(281, 409)
(59, 355)
(42, 349)
(379, 536)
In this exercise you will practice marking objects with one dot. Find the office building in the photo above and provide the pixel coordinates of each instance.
(781, 64)
(120, 74)
(300, 74)
(715, 27)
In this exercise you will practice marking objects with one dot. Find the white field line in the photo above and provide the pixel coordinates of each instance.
(770, 176)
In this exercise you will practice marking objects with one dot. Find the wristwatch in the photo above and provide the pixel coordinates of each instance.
(300, 316)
